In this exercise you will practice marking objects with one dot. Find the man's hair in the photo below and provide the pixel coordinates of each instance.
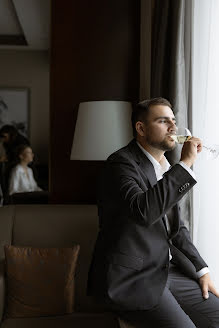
(140, 111)
(10, 129)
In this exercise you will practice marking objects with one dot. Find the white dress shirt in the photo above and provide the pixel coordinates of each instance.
(159, 171)
(22, 182)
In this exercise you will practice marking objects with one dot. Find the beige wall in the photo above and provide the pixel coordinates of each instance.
(30, 69)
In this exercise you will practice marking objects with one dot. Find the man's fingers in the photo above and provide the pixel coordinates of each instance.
(214, 291)
(204, 288)
(197, 143)
(199, 147)
(205, 292)
(207, 285)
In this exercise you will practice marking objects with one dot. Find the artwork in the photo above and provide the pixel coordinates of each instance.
(14, 105)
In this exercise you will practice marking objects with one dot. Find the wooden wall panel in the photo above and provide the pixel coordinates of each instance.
(94, 56)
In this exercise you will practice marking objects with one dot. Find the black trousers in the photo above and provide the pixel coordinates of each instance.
(181, 306)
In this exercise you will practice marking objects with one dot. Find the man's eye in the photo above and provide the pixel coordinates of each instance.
(163, 121)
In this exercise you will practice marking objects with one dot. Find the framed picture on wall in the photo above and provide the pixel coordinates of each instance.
(14, 108)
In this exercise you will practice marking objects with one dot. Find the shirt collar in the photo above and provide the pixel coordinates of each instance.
(159, 170)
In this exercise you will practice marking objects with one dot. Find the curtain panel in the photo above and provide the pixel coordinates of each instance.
(170, 68)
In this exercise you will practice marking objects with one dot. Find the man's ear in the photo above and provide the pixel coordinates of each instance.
(140, 128)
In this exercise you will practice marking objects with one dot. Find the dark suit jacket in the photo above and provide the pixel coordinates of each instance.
(131, 256)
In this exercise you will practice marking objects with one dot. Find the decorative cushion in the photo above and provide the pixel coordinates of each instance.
(40, 281)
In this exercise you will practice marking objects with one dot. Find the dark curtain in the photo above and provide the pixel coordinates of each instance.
(170, 67)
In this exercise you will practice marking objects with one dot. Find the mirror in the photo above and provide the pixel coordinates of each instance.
(24, 97)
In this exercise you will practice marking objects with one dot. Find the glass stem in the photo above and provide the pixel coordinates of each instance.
(209, 148)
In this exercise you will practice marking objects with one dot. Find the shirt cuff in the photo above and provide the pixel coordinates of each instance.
(187, 169)
(203, 271)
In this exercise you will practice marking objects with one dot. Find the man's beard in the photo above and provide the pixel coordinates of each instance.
(163, 145)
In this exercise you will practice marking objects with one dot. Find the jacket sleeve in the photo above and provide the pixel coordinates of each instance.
(183, 242)
(147, 204)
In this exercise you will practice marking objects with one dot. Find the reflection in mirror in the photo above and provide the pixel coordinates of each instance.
(24, 101)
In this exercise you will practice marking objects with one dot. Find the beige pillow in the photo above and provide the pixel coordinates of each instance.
(40, 281)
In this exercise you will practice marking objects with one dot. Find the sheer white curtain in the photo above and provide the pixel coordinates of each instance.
(205, 124)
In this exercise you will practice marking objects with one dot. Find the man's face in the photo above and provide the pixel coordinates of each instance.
(5, 137)
(160, 124)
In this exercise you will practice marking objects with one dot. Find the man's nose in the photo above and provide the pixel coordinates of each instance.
(172, 127)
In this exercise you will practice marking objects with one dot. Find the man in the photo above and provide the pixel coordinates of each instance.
(144, 265)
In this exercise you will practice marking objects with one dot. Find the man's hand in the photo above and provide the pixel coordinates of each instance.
(207, 286)
(190, 150)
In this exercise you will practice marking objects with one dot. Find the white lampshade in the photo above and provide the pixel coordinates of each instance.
(102, 127)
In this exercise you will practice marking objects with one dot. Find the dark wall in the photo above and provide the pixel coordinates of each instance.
(94, 56)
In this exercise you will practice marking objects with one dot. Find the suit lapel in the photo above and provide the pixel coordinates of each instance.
(148, 171)
(143, 162)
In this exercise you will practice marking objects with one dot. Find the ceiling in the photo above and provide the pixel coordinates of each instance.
(24, 24)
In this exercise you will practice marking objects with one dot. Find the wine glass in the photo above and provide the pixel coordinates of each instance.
(183, 134)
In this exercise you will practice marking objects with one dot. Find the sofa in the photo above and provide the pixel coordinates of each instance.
(54, 226)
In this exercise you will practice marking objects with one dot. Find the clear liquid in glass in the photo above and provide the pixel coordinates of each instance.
(180, 138)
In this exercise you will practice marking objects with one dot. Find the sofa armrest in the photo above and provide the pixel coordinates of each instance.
(6, 225)
(2, 289)
(82, 320)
